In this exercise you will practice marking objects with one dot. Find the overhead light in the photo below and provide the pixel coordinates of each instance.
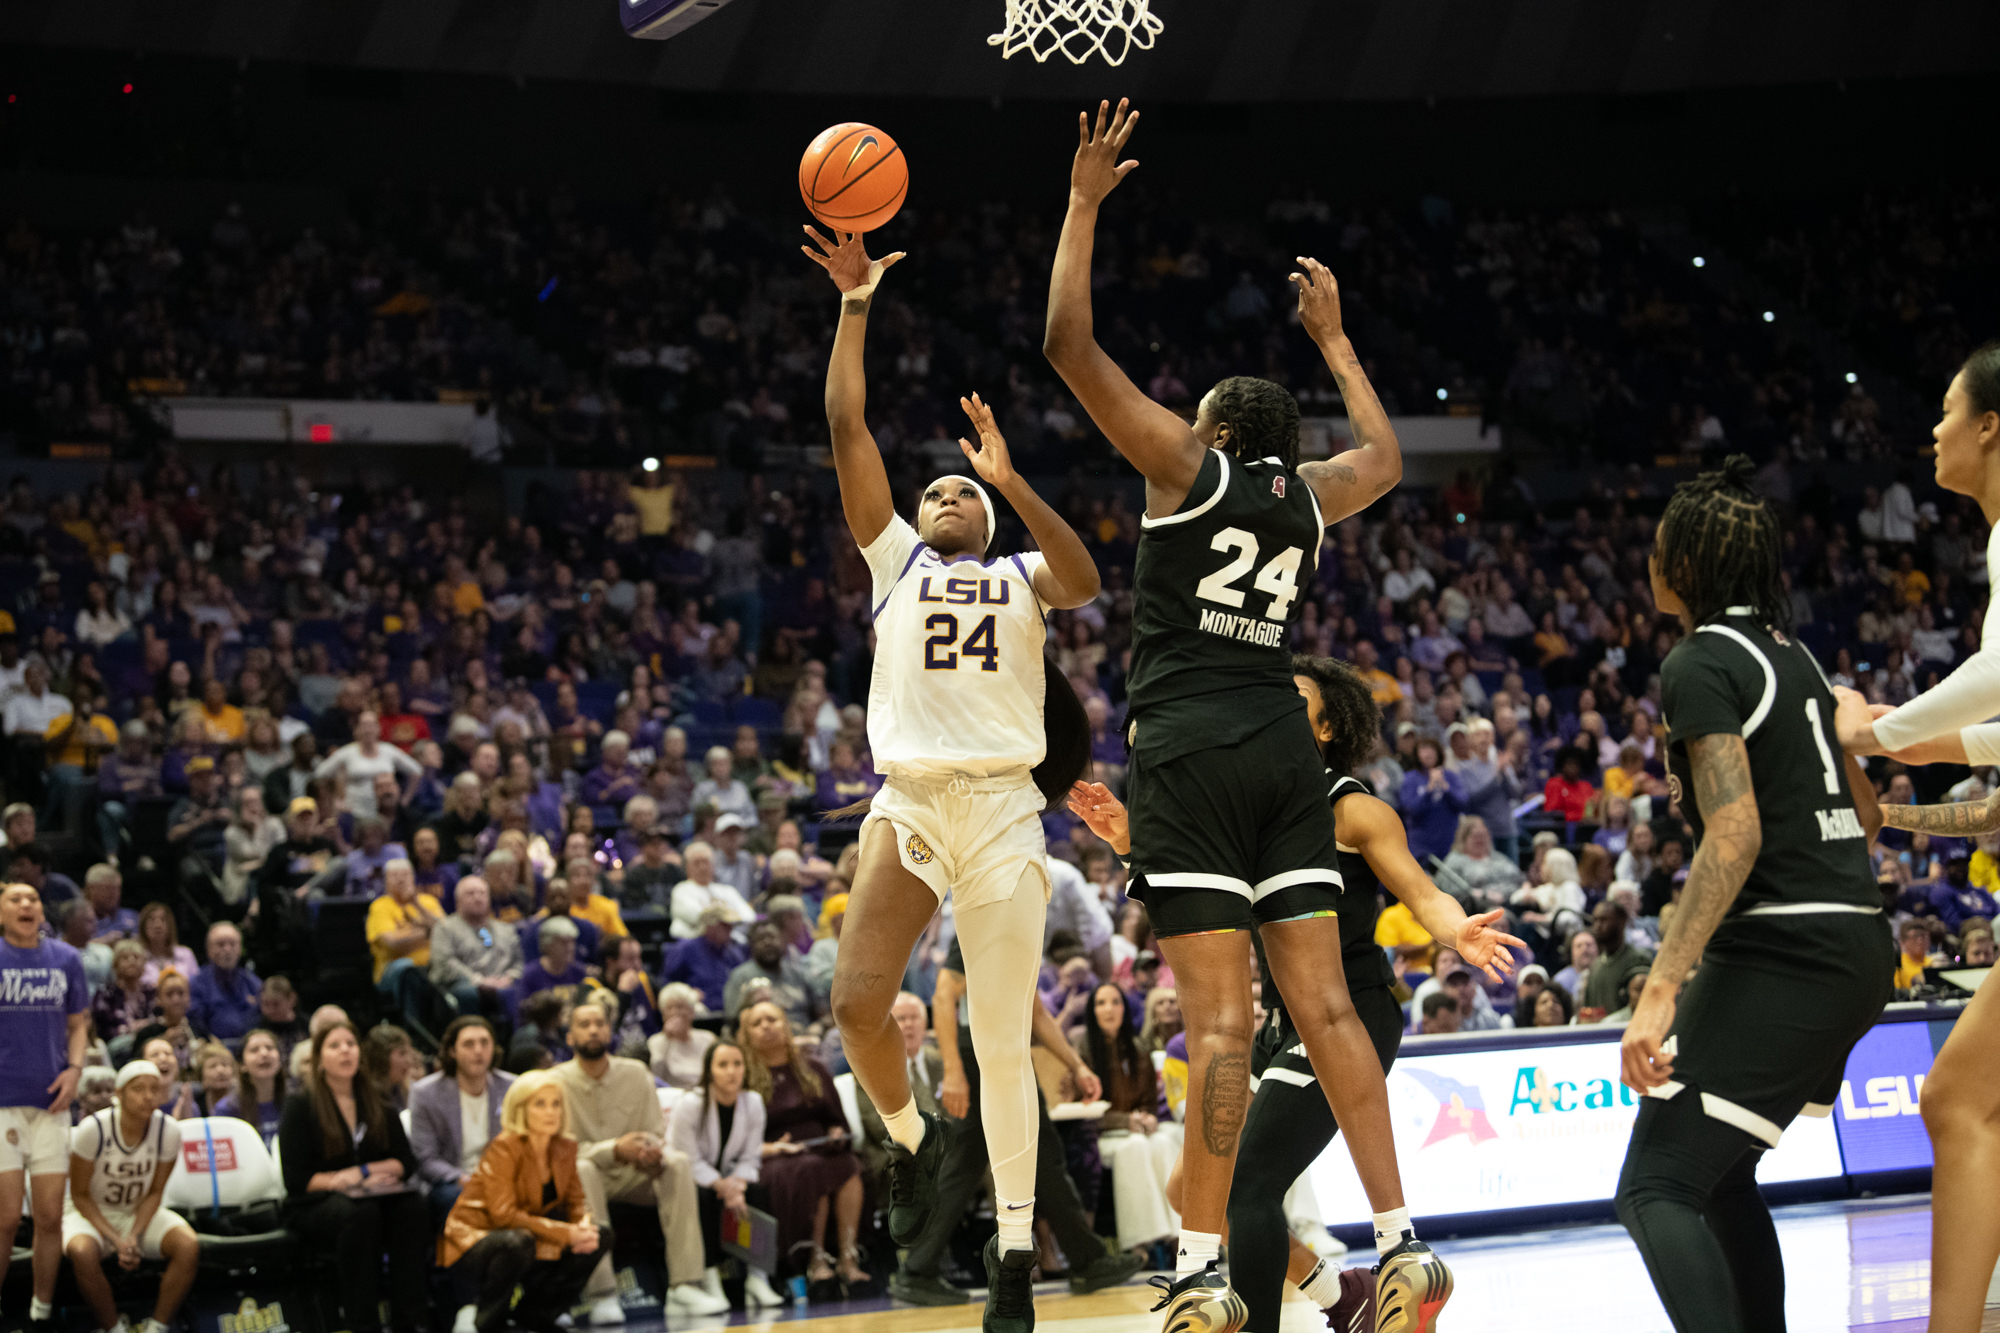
(1699, 262)
(1443, 394)
(1853, 378)
(651, 465)
(1769, 316)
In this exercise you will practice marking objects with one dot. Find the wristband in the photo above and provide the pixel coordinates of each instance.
(364, 1170)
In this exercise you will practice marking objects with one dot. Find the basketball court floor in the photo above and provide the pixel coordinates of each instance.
(1860, 1265)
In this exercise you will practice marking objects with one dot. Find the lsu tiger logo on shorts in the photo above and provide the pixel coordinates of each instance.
(919, 850)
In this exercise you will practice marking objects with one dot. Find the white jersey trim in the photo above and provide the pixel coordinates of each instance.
(1763, 708)
(1195, 879)
(1264, 887)
(1221, 489)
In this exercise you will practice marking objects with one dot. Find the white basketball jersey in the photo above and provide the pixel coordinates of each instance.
(958, 683)
(121, 1173)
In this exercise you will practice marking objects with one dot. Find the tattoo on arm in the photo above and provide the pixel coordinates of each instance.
(1732, 839)
(1225, 1102)
(1963, 819)
(1339, 472)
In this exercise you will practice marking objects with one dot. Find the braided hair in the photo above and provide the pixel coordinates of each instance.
(1718, 545)
(1349, 706)
(1263, 419)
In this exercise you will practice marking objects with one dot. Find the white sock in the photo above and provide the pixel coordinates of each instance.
(1322, 1285)
(905, 1126)
(1392, 1228)
(41, 1309)
(1198, 1250)
(1017, 1224)
(152, 1325)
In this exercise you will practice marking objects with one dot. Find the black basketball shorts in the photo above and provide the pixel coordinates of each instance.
(1225, 837)
(1277, 1053)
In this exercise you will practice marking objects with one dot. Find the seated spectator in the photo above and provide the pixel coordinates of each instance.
(678, 1051)
(1398, 930)
(474, 959)
(278, 1013)
(1617, 826)
(700, 890)
(346, 1161)
(825, 952)
(844, 780)
(1956, 899)
(215, 1076)
(29, 863)
(393, 1063)
(1553, 1008)
(225, 996)
(246, 842)
(1582, 952)
(161, 940)
(435, 875)
(1440, 1014)
(559, 903)
(176, 1093)
(555, 967)
(105, 888)
(1635, 987)
(540, 1039)
(368, 863)
(1914, 958)
(706, 960)
(125, 777)
(123, 1004)
(510, 881)
(622, 1154)
(722, 1136)
(1139, 1149)
(1568, 792)
(463, 819)
(1659, 889)
(1530, 982)
(1617, 960)
(805, 1185)
(75, 922)
(1554, 908)
(1622, 779)
(110, 1194)
(399, 929)
(522, 1218)
(259, 1094)
(616, 779)
(721, 788)
(198, 824)
(1476, 870)
(172, 1022)
(96, 1088)
(638, 1012)
(1433, 798)
(1636, 861)
(734, 865)
(651, 876)
(587, 904)
(455, 1112)
(364, 757)
(295, 780)
(1162, 1020)
(774, 970)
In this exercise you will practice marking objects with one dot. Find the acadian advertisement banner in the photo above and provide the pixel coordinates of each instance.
(1478, 1131)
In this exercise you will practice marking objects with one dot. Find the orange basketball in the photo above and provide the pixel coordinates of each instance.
(853, 177)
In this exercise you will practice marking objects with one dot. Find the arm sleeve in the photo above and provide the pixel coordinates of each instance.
(426, 1144)
(888, 556)
(1969, 695)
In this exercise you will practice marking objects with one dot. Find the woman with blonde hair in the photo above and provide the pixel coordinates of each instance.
(215, 1074)
(677, 1051)
(1162, 1022)
(522, 1218)
(808, 1165)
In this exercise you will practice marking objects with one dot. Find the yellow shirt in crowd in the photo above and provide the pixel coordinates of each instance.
(386, 916)
(1397, 928)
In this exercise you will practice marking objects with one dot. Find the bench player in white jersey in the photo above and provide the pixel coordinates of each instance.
(956, 720)
(119, 1162)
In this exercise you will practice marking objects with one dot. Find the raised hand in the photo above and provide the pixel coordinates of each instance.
(1097, 170)
(1486, 948)
(990, 460)
(1319, 300)
(1093, 803)
(847, 263)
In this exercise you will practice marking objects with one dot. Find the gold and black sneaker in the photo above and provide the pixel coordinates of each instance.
(1411, 1286)
(1200, 1303)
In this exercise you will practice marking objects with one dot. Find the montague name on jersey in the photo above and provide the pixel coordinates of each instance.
(1244, 629)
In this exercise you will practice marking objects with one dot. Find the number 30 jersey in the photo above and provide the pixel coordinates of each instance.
(1217, 586)
(121, 1173)
(957, 687)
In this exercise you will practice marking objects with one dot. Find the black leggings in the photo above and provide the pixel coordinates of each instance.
(1688, 1194)
(501, 1260)
(1289, 1126)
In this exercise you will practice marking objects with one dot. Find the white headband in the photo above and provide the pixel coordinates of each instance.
(992, 524)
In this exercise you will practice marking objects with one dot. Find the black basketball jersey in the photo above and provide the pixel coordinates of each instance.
(1216, 587)
(1361, 959)
(1735, 676)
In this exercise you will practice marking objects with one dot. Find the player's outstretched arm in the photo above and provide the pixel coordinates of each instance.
(1154, 440)
(1368, 823)
(1352, 480)
(1069, 578)
(864, 482)
(1732, 838)
(1964, 819)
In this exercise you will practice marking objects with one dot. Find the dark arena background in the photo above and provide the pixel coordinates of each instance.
(417, 471)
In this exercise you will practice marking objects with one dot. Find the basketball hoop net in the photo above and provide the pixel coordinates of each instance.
(1077, 28)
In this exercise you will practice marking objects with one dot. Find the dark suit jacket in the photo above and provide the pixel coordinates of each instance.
(874, 1134)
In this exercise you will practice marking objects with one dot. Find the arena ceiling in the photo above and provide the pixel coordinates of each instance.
(1211, 50)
